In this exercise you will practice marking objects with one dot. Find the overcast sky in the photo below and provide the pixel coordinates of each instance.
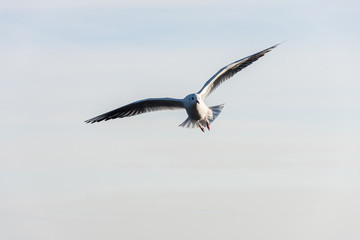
(281, 161)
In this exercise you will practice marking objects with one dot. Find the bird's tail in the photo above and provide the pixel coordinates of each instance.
(188, 123)
(215, 111)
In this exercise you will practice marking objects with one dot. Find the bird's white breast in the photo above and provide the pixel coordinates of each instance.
(198, 111)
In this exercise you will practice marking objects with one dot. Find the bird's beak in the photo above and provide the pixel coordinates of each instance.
(197, 101)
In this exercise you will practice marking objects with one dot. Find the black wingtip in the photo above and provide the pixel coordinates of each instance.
(272, 47)
(279, 43)
(88, 121)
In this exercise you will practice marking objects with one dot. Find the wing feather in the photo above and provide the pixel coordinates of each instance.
(139, 107)
(230, 70)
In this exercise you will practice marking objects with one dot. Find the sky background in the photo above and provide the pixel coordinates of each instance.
(280, 162)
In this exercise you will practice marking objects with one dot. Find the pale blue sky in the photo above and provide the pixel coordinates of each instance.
(281, 161)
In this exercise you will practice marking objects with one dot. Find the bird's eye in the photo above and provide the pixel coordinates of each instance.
(192, 98)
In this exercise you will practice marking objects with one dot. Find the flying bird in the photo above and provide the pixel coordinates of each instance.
(199, 114)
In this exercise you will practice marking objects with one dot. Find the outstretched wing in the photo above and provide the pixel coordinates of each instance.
(139, 107)
(230, 70)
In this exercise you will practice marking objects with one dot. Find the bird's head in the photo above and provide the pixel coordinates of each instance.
(192, 99)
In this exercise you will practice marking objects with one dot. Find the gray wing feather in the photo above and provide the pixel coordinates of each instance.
(230, 70)
(139, 107)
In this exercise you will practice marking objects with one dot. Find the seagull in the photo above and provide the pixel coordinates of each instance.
(199, 114)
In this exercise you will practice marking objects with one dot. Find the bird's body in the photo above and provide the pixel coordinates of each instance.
(196, 109)
(199, 114)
